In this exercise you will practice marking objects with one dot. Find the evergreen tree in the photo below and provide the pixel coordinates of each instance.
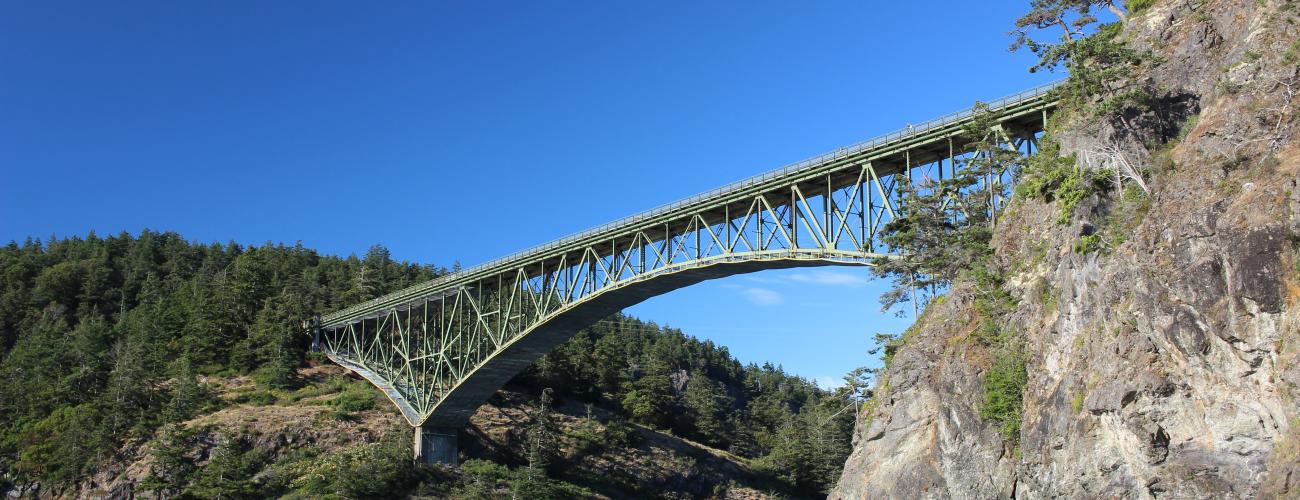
(707, 403)
(62, 447)
(187, 394)
(650, 402)
(114, 344)
(944, 226)
(130, 398)
(276, 342)
(229, 473)
(1097, 63)
(171, 469)
(542, 434)
(372, 276)
(89, 344)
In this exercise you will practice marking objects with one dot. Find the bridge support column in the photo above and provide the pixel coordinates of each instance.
(436, 445)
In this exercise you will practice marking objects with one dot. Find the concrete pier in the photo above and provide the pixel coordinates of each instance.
(436, 445)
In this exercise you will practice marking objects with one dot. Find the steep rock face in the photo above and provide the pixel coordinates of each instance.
(923, 435)
(1165, 365)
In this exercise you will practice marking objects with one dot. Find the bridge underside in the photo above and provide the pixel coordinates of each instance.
(462, 392)
(476, 387)
(439, 349)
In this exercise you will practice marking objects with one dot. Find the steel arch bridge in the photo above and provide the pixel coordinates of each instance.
(438, 350)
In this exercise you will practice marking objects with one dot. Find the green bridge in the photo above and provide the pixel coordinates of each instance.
(441, 348)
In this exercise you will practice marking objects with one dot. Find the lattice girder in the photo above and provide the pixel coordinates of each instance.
(439, 349)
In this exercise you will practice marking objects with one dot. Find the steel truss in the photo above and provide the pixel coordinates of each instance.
(439, 349)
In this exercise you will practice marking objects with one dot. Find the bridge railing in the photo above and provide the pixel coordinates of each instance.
(793, 168)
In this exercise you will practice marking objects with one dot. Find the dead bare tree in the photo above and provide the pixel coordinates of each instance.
(1285, 89)
(1112, 156)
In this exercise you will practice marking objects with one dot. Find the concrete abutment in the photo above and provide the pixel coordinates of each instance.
(436, 445)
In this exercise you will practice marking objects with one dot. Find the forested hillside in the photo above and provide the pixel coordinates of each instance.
(151, 364)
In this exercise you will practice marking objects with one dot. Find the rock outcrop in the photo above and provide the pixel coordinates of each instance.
(1164, 365)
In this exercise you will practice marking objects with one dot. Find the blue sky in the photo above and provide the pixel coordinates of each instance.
(465, 131)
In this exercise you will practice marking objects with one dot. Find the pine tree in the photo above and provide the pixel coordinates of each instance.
(944, 226)
(130, 399)
(372, 277)
(89, 343)
(1097, 63)
(171, 469)
(229, 473)
(120, 356)
(187, 394)
(541, 438)
(275, 341)
(650, 401)
(706, 403)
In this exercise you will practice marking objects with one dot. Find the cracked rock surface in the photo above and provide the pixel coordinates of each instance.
(1165, 366)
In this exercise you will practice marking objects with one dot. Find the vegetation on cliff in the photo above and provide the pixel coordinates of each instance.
(1150, 294)
(945, 228)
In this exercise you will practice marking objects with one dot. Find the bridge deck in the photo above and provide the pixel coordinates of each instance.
(890, 154)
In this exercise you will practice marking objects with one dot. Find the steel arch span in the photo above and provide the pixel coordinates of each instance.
(438, 350)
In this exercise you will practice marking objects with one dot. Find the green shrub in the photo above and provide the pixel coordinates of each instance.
(1139, 98)
(1052, 177)
(1004, 383)
(1292, 54)
(171, 469)
(587, 437)
(482, 479)
(988, 332)
(1046, 295)
(890, 344)
(1045, 171)
(275, 376)
(1137, 6)
(332, 385)
(1077, 185)
(992, 302)
(1088, 244)
(357, 397)
(289, 468)
(372, 470)
(1113, 227)
(1004, 391)
(230, 472)
(259, 397)
(60, 447)
(620, 434)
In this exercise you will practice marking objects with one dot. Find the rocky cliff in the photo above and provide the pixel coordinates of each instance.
(1159, 332)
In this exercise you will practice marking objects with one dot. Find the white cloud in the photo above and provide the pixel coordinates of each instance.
(828, 383)
(756, 295)
(835, 278)
(762, 296)
(768, 294)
